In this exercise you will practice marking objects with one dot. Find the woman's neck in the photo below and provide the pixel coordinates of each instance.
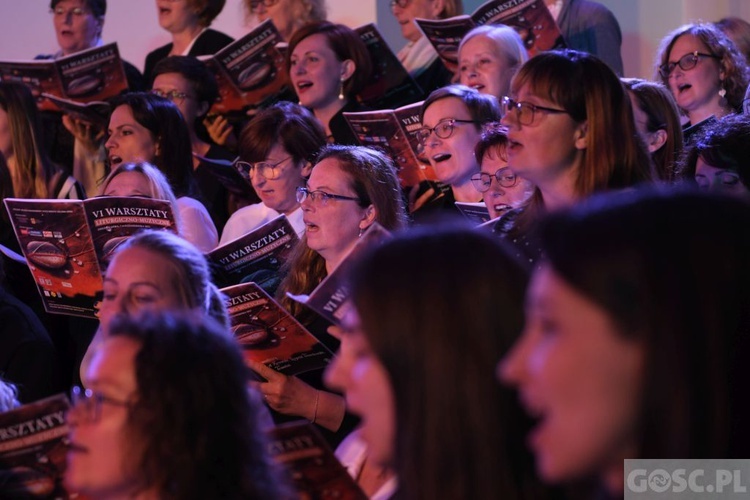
(707, 111)
(560, 192)
(465, 192)
(325, 113)
(182, 39)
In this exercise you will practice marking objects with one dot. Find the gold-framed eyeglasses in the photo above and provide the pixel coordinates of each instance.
(444, 129)
(401, 3)
(686, 63)
(254, 4)
(321, 198)
(265, 169)
(504, 176)
(88, 403)
(525, 111)
(175, 96)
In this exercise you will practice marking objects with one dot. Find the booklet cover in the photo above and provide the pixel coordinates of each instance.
(314, 469)
(270, 335)
(530, 18)
(96, 112)
(390, 84)
(90, 75)
(475, 212)
(256, 256)
(249, 71)
(33, 444)
(330, 299)
(394, 132)
(68, 243)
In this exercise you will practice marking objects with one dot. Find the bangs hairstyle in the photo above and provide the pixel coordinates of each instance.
(163, 120)
(345, 43)
(207, 10)
(202, 80)
(482, 107)
(506, 40)
(661, 110)
(732, 62)
(724, 145)
(589, 91)
(291, 126)
(494, 139)
(98, 8)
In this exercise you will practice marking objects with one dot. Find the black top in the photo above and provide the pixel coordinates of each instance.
(213, 192)
(340, 130)
(208, 43)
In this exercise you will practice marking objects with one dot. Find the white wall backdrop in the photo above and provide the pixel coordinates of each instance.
(26, 25)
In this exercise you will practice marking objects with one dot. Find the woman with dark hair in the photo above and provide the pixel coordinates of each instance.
(718, 160)
(572, 133)
(350, 188)
(329, 65)
(624, 354)
(188, 22)
(424, 351)
(452, 118)
(277, 151)
(146, 127)
(192, 87)
(147, 427)
(705, 72)
(32, 172)
(657, 120)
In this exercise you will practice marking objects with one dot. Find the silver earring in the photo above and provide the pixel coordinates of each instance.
(361, 232)
(341, 91)
(722, 96)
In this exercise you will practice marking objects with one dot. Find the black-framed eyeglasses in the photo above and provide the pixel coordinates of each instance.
(321, 198)
(525, 111)
(175, 96)
(443, 129)
(401, 3)
(88, 404)
(686, 62)
(254, 4)
(62, 12)
(504, 176)
(266, 169)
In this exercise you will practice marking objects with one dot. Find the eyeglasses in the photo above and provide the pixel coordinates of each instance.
(254, 4)
(503, 176)
(443, 129)
(88, 404)
(266, 169)
(321, 197)
(525, 111)
(401, 3)
(173, 95)
(61, 12)
(686, 62)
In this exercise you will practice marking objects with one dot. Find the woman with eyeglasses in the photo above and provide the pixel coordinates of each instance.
(501, 189)
(705, 72)
(350, 188)
(452, 119)
(277, 151)
(168, 414)
(188, 23)
(286, 15)
(74, 143)
(718, 159)
(191, 86)
(418, 55)
(146, 127)
(571, 133)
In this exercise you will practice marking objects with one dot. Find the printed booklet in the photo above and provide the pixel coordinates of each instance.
(68, 243)
(90, 75)
(270, 335)
(530, 18)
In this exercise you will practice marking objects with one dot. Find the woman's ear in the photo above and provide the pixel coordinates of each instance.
(656, 140)
(371, 214)
(348, 67)
(306, 169)
(157, 147)
(203, 108)
(581, 136)
(437, 8)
